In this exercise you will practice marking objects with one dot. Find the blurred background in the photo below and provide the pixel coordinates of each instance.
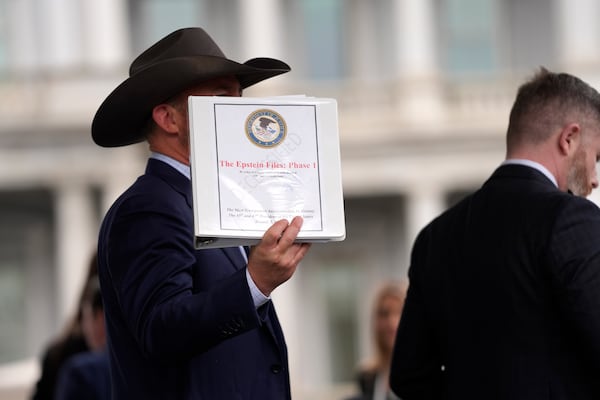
(424, 88)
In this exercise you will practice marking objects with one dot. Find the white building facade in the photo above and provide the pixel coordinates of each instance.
(424, 89)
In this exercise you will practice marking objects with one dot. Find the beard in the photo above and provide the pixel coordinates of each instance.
(577, 177)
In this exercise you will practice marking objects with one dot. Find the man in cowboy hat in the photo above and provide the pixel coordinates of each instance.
(185, 323)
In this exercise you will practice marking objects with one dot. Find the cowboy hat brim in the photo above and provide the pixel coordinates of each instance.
(120, 119)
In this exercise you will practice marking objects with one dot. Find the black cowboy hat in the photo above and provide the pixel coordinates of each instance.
(181, 59)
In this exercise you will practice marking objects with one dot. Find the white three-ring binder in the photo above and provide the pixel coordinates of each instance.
(255, 161)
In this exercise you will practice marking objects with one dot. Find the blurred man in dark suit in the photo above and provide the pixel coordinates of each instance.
(504, 296)
(85, 376)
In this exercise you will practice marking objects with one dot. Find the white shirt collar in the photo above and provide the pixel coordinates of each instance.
(181, 167)
(532, 164)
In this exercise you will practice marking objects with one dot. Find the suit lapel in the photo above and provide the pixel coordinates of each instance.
(171, 176)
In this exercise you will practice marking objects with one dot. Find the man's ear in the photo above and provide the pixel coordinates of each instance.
(569, 138)
(164, 116)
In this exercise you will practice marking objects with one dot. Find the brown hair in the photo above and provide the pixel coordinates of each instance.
(549, 100)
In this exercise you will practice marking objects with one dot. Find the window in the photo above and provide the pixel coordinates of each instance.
(152, 19)
(523, 32)
(468, 36)
(323, 21)
(26, 273)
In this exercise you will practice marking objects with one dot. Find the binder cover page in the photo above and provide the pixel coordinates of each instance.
(258, 160)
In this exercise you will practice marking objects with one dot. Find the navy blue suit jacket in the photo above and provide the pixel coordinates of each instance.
(504, 297)
(84, 376)
(181, 322)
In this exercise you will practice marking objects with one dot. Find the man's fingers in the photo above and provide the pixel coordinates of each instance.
(274, 260)
(274, 233)
(282, 232)
(291, 232)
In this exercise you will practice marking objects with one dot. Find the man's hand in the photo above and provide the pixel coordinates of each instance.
(274, 260)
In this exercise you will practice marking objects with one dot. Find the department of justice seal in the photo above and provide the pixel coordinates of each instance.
(265, 128)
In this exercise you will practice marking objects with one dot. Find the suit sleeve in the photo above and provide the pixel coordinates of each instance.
(416, 368)
(575, 272)
(150, 257)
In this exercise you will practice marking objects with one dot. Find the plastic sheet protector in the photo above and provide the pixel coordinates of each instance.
(255, 161)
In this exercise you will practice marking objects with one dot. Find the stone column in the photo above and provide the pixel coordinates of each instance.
(416, 63)
(104, 31)
(363, 37)
(58, 33)
(261, 39)
(422, 205)
(578, 33)
(258, 37)
(75, 241)
(415, 28)
(21, 44)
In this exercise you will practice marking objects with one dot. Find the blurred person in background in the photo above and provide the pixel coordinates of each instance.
(504, 296)
(185, 323)
(70, 342)
(373, 376)
(85, 376)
